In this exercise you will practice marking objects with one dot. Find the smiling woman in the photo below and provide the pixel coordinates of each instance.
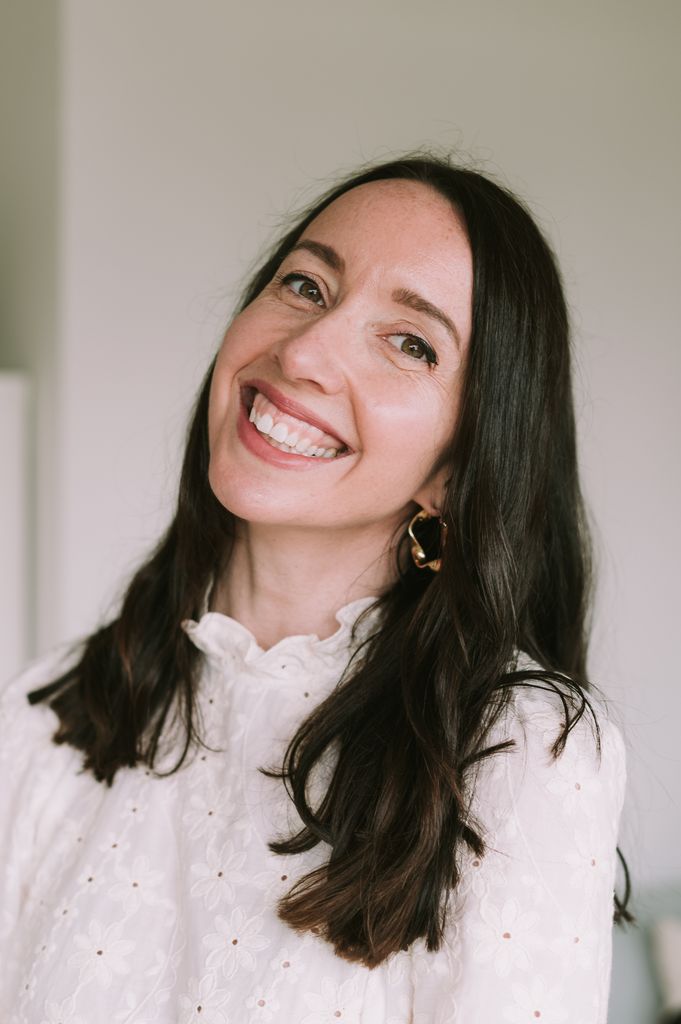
(338, 359)
(342, 758)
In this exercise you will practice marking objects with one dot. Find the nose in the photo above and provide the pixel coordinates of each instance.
(315, 353)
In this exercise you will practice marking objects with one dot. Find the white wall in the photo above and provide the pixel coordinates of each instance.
(186, 131)
(15, 522)
(29, 180)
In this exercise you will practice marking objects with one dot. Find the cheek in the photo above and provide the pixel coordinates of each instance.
(415, 425)
(242, 339)
(234, 344)
(218, 396)
(232, 356)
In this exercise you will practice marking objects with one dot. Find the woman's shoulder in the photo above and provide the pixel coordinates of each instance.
(565, 764)
(563, 736)
(36, 674)
(546, 705)
(42, 780)
(26, 729)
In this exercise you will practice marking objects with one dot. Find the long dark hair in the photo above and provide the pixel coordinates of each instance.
(411, 714)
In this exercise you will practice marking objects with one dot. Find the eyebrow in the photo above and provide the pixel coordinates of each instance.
(406, 297)
(402, 296)
(325, 253)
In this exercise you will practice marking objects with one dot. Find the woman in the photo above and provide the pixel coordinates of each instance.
(374, 590)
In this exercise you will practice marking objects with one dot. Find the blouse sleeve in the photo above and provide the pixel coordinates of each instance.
(529, 939)
(32, 769)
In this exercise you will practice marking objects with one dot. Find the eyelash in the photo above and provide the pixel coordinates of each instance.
(285, 279)
(429, 352)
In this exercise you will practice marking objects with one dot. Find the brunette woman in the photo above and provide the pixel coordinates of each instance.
(337, 758)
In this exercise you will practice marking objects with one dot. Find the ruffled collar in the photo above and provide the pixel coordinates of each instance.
(222, 638)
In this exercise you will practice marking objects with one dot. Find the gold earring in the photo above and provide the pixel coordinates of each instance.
(417, 553)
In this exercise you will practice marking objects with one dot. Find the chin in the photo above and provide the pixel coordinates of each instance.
(239, 495)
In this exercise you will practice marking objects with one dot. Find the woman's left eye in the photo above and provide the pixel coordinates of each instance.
(305, 287)
(414, 346)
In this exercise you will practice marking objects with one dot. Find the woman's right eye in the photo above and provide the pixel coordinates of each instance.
(304, 286)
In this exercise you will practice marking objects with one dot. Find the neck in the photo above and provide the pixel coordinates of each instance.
(288, 581)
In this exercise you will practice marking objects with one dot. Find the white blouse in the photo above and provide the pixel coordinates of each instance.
(154, 900)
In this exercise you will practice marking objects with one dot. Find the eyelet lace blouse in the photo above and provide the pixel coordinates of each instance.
(154, 901)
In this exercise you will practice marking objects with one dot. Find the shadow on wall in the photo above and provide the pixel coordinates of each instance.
(646, 968)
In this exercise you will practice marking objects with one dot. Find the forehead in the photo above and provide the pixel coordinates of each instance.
(399, 233)
(390, 210)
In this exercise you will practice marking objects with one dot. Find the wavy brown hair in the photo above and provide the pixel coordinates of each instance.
(409, 719)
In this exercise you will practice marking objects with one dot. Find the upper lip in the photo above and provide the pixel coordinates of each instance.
(293, 408)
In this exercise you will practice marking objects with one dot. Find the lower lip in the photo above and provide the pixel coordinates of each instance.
(256, 443)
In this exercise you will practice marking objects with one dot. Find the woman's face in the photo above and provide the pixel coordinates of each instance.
(336, 391)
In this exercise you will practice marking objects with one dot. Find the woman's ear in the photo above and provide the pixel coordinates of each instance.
(431, 496)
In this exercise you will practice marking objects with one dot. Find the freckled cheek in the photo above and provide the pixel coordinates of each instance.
(413, 434)
(236, 351)
(236, 347)
(425, 443)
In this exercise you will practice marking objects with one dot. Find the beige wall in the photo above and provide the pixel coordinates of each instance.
(29, 180)
(14, 523)
(186, 130)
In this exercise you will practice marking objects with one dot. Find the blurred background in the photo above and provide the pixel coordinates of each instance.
(151, 148)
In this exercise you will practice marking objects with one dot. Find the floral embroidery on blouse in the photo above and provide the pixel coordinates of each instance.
(154, 901)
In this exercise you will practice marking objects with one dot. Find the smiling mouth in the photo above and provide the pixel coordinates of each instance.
(288, 433)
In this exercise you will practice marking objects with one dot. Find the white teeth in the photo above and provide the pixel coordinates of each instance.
(259, 400)
(279, 432)
(264, 423)
(282, 434)
(310, 453)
